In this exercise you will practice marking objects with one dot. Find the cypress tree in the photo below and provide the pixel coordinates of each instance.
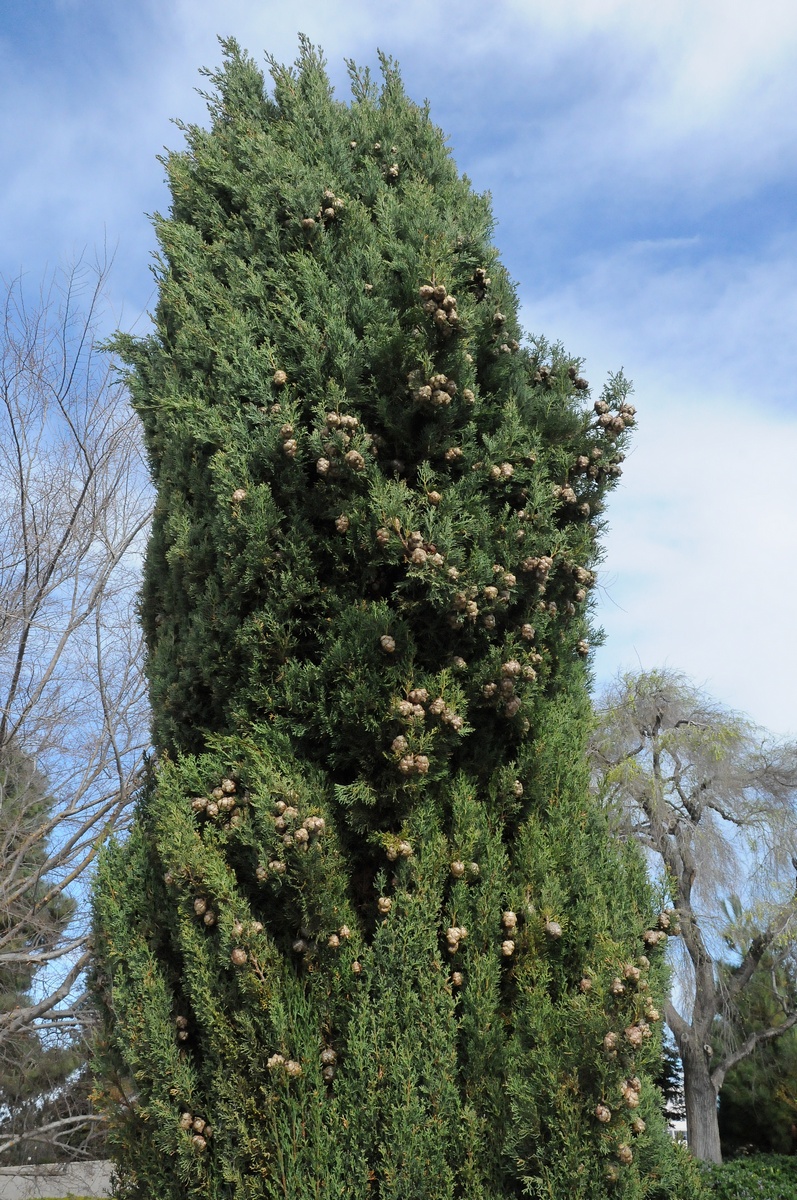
(368, 936)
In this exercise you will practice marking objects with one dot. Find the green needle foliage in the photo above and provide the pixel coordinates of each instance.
(368, 937)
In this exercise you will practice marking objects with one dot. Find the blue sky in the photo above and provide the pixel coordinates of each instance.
(643, 165)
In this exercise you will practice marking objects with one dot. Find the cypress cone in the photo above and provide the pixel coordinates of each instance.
(366, 628)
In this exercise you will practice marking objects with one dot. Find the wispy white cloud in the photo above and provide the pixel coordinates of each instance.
(702, 61)
(701, 554)
(701, 565)
(693, 319)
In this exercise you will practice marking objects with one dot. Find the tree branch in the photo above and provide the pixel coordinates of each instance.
(21, 1018)
(748, 1046)
(38, 1135)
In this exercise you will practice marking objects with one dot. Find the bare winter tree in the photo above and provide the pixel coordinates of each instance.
(711, 798)
(74, 504)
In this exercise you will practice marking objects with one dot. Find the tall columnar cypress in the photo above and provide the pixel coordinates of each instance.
(367, 937)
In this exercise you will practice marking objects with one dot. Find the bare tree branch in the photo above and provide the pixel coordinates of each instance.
(44, 1131)
(757, 1038)
(24, 1018)
(73, 713)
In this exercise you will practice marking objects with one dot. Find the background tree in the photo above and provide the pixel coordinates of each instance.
(712, 799)
(756, 1110)
(669, 1081)
(73, 718)
(369, 935)
(30, 1070)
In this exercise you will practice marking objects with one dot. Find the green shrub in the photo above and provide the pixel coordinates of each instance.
(759, 1177)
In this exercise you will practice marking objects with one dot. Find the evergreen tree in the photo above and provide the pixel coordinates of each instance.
(31, 918)
(369, 936)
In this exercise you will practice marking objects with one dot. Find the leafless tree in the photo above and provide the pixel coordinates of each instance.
(74, 506)
(712, 800)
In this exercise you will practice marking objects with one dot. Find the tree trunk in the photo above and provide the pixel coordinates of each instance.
(702, 1124)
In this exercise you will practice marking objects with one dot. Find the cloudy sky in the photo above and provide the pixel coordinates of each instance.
(642, 160)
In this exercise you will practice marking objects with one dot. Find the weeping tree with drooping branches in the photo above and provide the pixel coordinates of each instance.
(369, 936)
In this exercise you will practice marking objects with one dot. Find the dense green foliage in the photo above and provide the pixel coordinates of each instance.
(759, 1177)
(758, 1101)
(369, 936)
